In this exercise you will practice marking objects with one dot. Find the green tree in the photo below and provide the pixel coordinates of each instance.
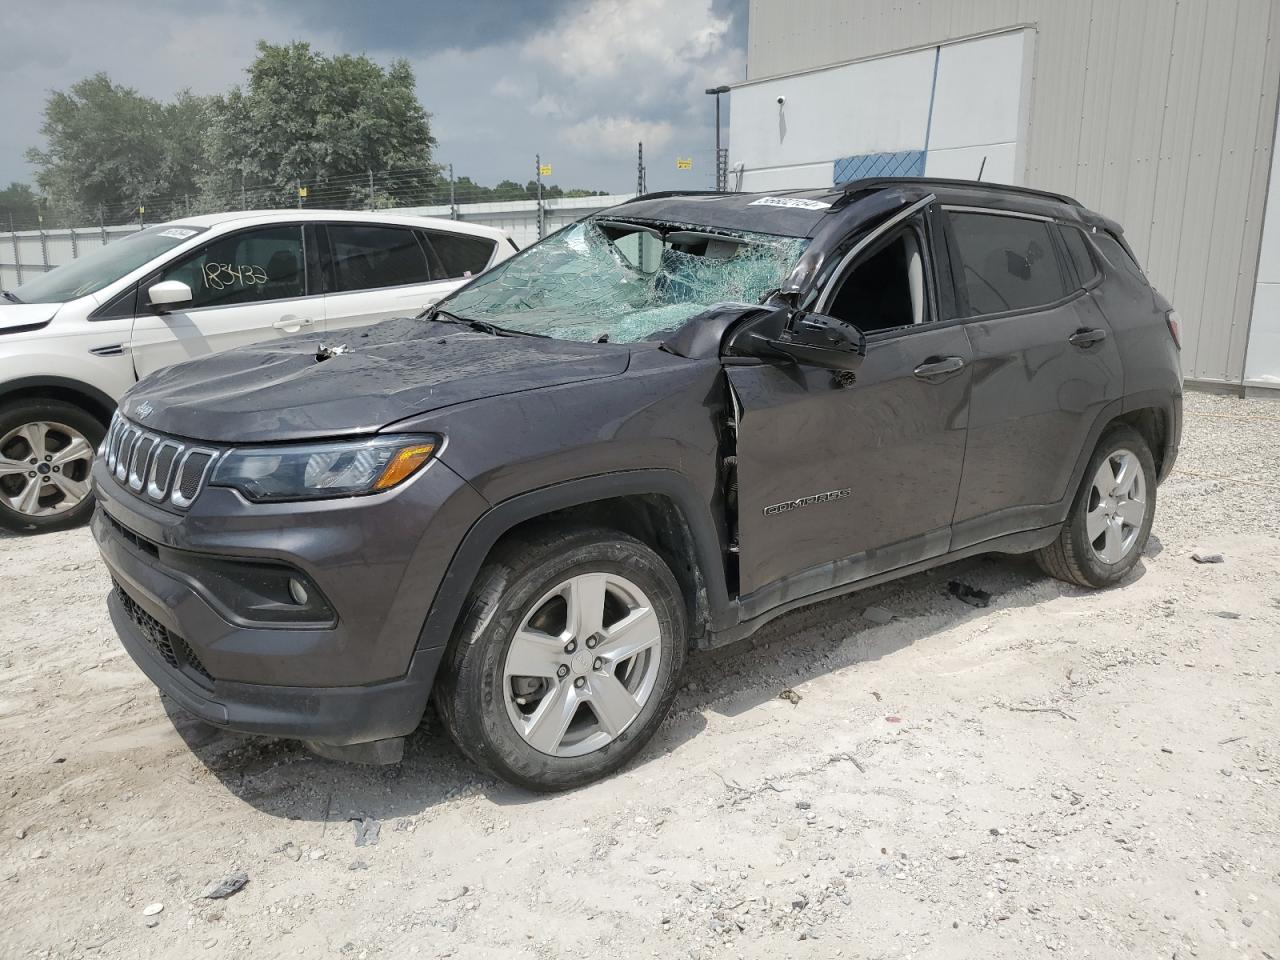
(19, 205)
(105, 147)
(110, 149)
(325, 121)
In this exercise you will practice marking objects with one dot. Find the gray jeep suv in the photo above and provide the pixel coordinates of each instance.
(651, 432)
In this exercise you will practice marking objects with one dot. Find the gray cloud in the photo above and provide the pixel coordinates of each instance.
(576, 81)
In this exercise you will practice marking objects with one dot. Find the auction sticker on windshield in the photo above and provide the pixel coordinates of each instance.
(177, 233)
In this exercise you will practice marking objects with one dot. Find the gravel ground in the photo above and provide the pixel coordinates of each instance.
(1064, 773)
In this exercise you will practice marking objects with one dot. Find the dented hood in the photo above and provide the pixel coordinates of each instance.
(281, 391)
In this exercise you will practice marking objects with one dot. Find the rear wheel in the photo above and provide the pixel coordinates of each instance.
(46, 453)
(1110, 521)
(566, 661)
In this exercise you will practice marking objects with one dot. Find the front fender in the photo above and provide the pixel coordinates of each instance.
(501, 519)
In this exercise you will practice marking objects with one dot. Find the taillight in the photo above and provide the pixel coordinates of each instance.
(1175, 327)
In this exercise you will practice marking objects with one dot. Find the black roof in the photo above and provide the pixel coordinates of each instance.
(800, 213)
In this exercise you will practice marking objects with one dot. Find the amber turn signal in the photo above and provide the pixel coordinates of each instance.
(403, 464)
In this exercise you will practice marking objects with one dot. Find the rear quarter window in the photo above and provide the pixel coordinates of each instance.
(454, 256)
(1117, 256)
(1078, 250)
(1006, 262)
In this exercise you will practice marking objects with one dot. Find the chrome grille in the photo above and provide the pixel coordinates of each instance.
(156, 467)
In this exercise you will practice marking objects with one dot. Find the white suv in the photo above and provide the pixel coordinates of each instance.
(74, 339)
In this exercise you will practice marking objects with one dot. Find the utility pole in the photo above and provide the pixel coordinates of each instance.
(370, 188)
(722, 158)
(537, 163)
(17, 255)
(44, 245)
(641, 187)
(453, 204)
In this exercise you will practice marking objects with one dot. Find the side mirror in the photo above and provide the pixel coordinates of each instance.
(168, 292)
(812, 338)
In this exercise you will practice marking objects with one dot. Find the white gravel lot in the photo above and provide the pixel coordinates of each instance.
(1065, 773)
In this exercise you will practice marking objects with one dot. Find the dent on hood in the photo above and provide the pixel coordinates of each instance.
(279, 391)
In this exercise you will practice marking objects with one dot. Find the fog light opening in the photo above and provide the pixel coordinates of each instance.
(298, 592)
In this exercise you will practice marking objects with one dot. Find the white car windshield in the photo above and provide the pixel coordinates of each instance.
(100, 267)
(627, 280)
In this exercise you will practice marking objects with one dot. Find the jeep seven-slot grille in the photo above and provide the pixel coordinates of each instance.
(173, 650)
(158, 468)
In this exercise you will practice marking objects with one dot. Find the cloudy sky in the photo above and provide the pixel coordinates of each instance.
(579, 81)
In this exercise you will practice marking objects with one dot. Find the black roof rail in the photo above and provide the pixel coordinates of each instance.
(873, 183)
(659, 194)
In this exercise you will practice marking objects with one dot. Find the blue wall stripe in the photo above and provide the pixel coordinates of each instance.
(903, 163)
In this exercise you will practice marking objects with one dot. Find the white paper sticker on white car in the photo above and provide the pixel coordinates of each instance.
(799, 203)
(177, 233)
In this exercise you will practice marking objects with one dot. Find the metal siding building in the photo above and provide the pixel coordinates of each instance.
(1158, 113)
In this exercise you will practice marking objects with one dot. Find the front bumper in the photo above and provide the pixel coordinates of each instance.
(378, 561)
(327, 715)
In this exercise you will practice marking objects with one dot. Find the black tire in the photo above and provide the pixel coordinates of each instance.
(469, 693)
(13, 415)
(1072, 557)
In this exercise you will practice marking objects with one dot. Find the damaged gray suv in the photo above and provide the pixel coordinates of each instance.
(650, 433)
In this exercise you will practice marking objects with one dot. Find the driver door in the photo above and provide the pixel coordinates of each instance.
(246, 287)
(843, 478)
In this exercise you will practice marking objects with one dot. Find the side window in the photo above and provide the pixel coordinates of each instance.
(1118, 256)
(886, 286)
(367, 257)
(1006, 263)
(458, 255)
(1078, 249)
(246, 267)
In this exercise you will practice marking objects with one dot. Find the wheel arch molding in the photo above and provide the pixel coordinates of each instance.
(94, 401)
(704, 573)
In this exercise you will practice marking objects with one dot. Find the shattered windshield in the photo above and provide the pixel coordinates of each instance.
(625, 280)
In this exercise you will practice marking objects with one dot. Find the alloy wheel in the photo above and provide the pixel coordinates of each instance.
(1117, 506)
(44, 468)
(582, 664)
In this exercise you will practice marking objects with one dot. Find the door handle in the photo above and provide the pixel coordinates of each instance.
(1087, 337)
(290, 324)
(938, 367)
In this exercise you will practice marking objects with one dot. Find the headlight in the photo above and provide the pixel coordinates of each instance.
(321, 470)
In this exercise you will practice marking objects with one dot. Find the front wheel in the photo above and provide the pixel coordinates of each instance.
(46, 452)
(1110, 520)
(566, 661)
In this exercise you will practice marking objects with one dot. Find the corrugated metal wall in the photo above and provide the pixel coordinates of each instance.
(1159, 113)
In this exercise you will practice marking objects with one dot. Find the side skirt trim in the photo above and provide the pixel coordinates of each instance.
(1023, 542)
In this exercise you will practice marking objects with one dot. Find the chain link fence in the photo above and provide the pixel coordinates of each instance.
(33, 246)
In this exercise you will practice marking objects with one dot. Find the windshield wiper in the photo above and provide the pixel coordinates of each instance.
(9, 296)
(483, 326)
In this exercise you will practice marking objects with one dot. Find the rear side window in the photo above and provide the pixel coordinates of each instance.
(368, 257)
(1006, 263)
(1118, 256)
(1078, 250)
(457, 255)
(246, 267)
